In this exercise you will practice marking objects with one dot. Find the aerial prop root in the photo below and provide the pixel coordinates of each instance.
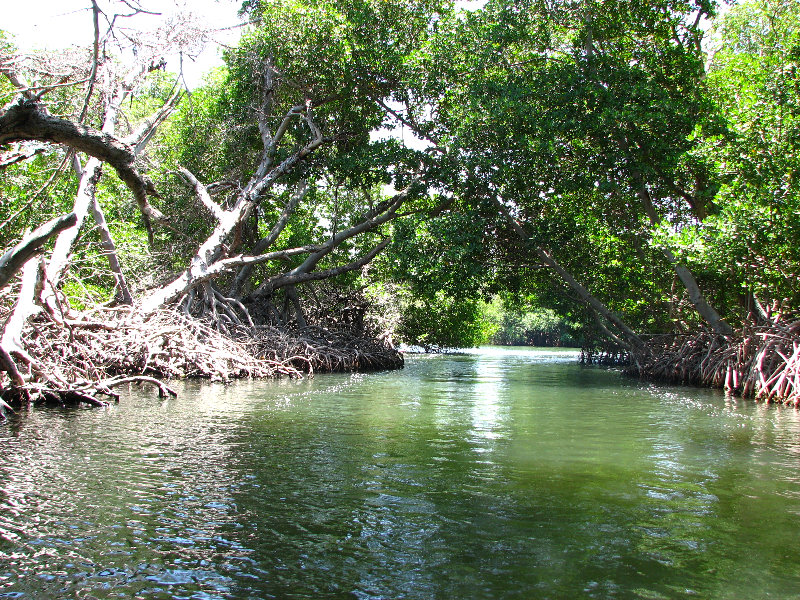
(208, 304)
(85, 359)
(758, 361)
(314, 349)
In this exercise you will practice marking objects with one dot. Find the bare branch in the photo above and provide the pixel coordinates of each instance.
(29, 120)
(293, 112)
(7, 365)
(193, 277)
(13, 260)
(139, 138)
(280, 224)
(17, 81)
(213, 250)
(137, 9)
(163, 390)
(123, 294)
(34, 92)
(41, 190)
(381, 214)
(266, 175)
(266, 106)
(11, 158)
(294, 278)
(95, 61)
(411, 124)
(236, 261)
(43, 89)
(384, 212)
(202, 194)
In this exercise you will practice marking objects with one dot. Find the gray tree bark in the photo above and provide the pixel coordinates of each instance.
(630, 338)
(709, 314)
(13, 260)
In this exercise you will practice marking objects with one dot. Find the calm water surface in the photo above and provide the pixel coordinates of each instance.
(496, 474)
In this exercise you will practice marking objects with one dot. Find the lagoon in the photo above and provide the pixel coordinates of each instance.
(495, 473)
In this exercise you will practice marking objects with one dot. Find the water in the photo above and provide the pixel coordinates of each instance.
(497, 474)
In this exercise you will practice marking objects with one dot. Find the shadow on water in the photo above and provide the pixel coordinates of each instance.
(491, 474)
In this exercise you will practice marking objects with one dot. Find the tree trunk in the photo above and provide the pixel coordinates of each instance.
(13, 260)
(294, 299)
(25, 308)
(631, 338)
(696, 297)
(123, 293)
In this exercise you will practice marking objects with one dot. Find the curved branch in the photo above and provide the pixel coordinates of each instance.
(547, 259)
(13, 260)
(295, 278)
(28, 120)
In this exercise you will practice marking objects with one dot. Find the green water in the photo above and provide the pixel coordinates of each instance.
(497, 474)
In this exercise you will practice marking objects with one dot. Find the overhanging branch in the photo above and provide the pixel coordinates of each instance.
(13, 260)
(28, 120)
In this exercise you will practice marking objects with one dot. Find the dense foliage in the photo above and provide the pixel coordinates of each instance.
(646, 148)
(751, 239)
(654, 160)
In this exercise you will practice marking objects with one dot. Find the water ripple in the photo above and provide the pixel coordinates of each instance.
(501, 474)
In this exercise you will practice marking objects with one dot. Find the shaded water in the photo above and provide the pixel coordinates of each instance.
(497, 474)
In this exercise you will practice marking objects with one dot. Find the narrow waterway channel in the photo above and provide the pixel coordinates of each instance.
(493, 474)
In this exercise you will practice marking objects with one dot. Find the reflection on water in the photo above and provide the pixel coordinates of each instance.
(493, 474)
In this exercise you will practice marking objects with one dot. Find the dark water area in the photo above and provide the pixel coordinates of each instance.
(494, 474)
